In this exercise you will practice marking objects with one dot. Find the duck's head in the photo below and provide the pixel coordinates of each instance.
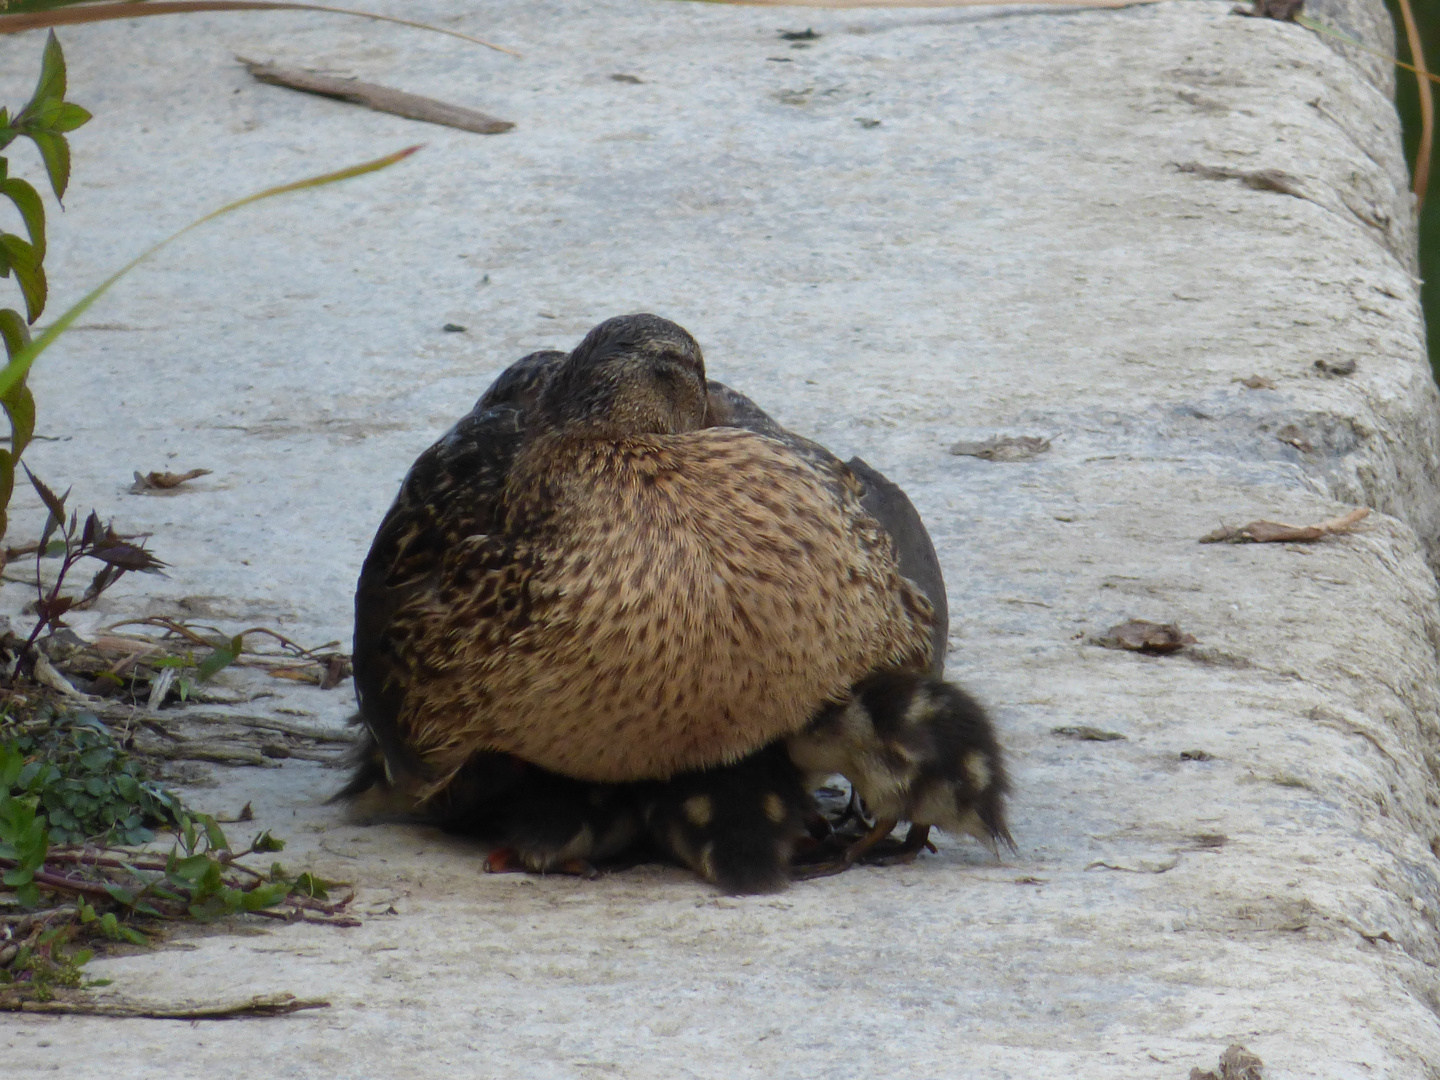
(632, 375)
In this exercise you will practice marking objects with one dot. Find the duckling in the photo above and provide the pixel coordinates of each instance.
(736, 825)
(915, 749)
(534, 821)
(603, 587)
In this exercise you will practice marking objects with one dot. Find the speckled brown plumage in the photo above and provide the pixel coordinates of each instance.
(600, 585)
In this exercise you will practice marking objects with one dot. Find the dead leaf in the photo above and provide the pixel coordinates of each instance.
(1284, 10)
(335, 670)
(163, 481)
(1276, 180)
(633, 80)
(1255, 382)
(1087, 733)
(1270, 532)
(380, 98)
(1140, 635)
(1003, 448)
(1236, 1063)
(1337, 367)
(1196, 755)
(1295, 437)
(307, 674)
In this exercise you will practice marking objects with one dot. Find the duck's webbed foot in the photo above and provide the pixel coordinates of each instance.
(824, 863)
(509, 860)
(736, 825)
(875, 848)
(897, 853)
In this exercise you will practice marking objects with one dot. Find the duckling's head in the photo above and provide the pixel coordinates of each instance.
(632, 375)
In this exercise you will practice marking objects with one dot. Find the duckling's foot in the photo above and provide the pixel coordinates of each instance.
(507, 860)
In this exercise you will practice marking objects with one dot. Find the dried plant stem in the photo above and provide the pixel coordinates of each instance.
(264, 1005)
(935, 3)
(87, 13)
(1321, 28)
(1427, 104)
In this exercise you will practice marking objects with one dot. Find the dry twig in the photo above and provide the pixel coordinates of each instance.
(258, 1006)
(380, 98)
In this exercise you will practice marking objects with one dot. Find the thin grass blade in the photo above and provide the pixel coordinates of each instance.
(20, 363)
(35, 16)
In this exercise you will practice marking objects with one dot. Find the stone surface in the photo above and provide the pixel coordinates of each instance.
(1086, 226)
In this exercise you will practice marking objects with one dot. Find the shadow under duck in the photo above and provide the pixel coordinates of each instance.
(613, 571)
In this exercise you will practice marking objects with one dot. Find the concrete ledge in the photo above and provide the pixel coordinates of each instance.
(1082, 225)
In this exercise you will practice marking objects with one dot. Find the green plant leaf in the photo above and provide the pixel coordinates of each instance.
(7, 478)
(14, 331)
(52, 74)
(19, 405)
(220, 659)
(120, 894)
(264, 896)
(19, 256)
(214, 835)
(55, 153)
(28, 895)
(11, 762)
(32, 210)
(20, 363)
(56, 117)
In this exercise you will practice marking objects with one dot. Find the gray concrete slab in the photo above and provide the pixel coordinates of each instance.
(1037, 237)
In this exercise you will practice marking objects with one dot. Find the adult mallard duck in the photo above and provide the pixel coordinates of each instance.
(612, 571)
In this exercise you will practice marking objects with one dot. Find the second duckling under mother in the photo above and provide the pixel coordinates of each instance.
(646, 595)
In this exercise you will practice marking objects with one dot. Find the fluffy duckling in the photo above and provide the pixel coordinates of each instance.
(535, 821)
(737, 825)
(588, 578)
(914, 749)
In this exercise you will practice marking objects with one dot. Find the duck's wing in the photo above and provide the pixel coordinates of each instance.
(889, 505)
(450, 493)
(519, 385)
(882, 499)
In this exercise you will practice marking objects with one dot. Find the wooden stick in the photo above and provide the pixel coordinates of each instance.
(379, 98)
(260, 1005)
